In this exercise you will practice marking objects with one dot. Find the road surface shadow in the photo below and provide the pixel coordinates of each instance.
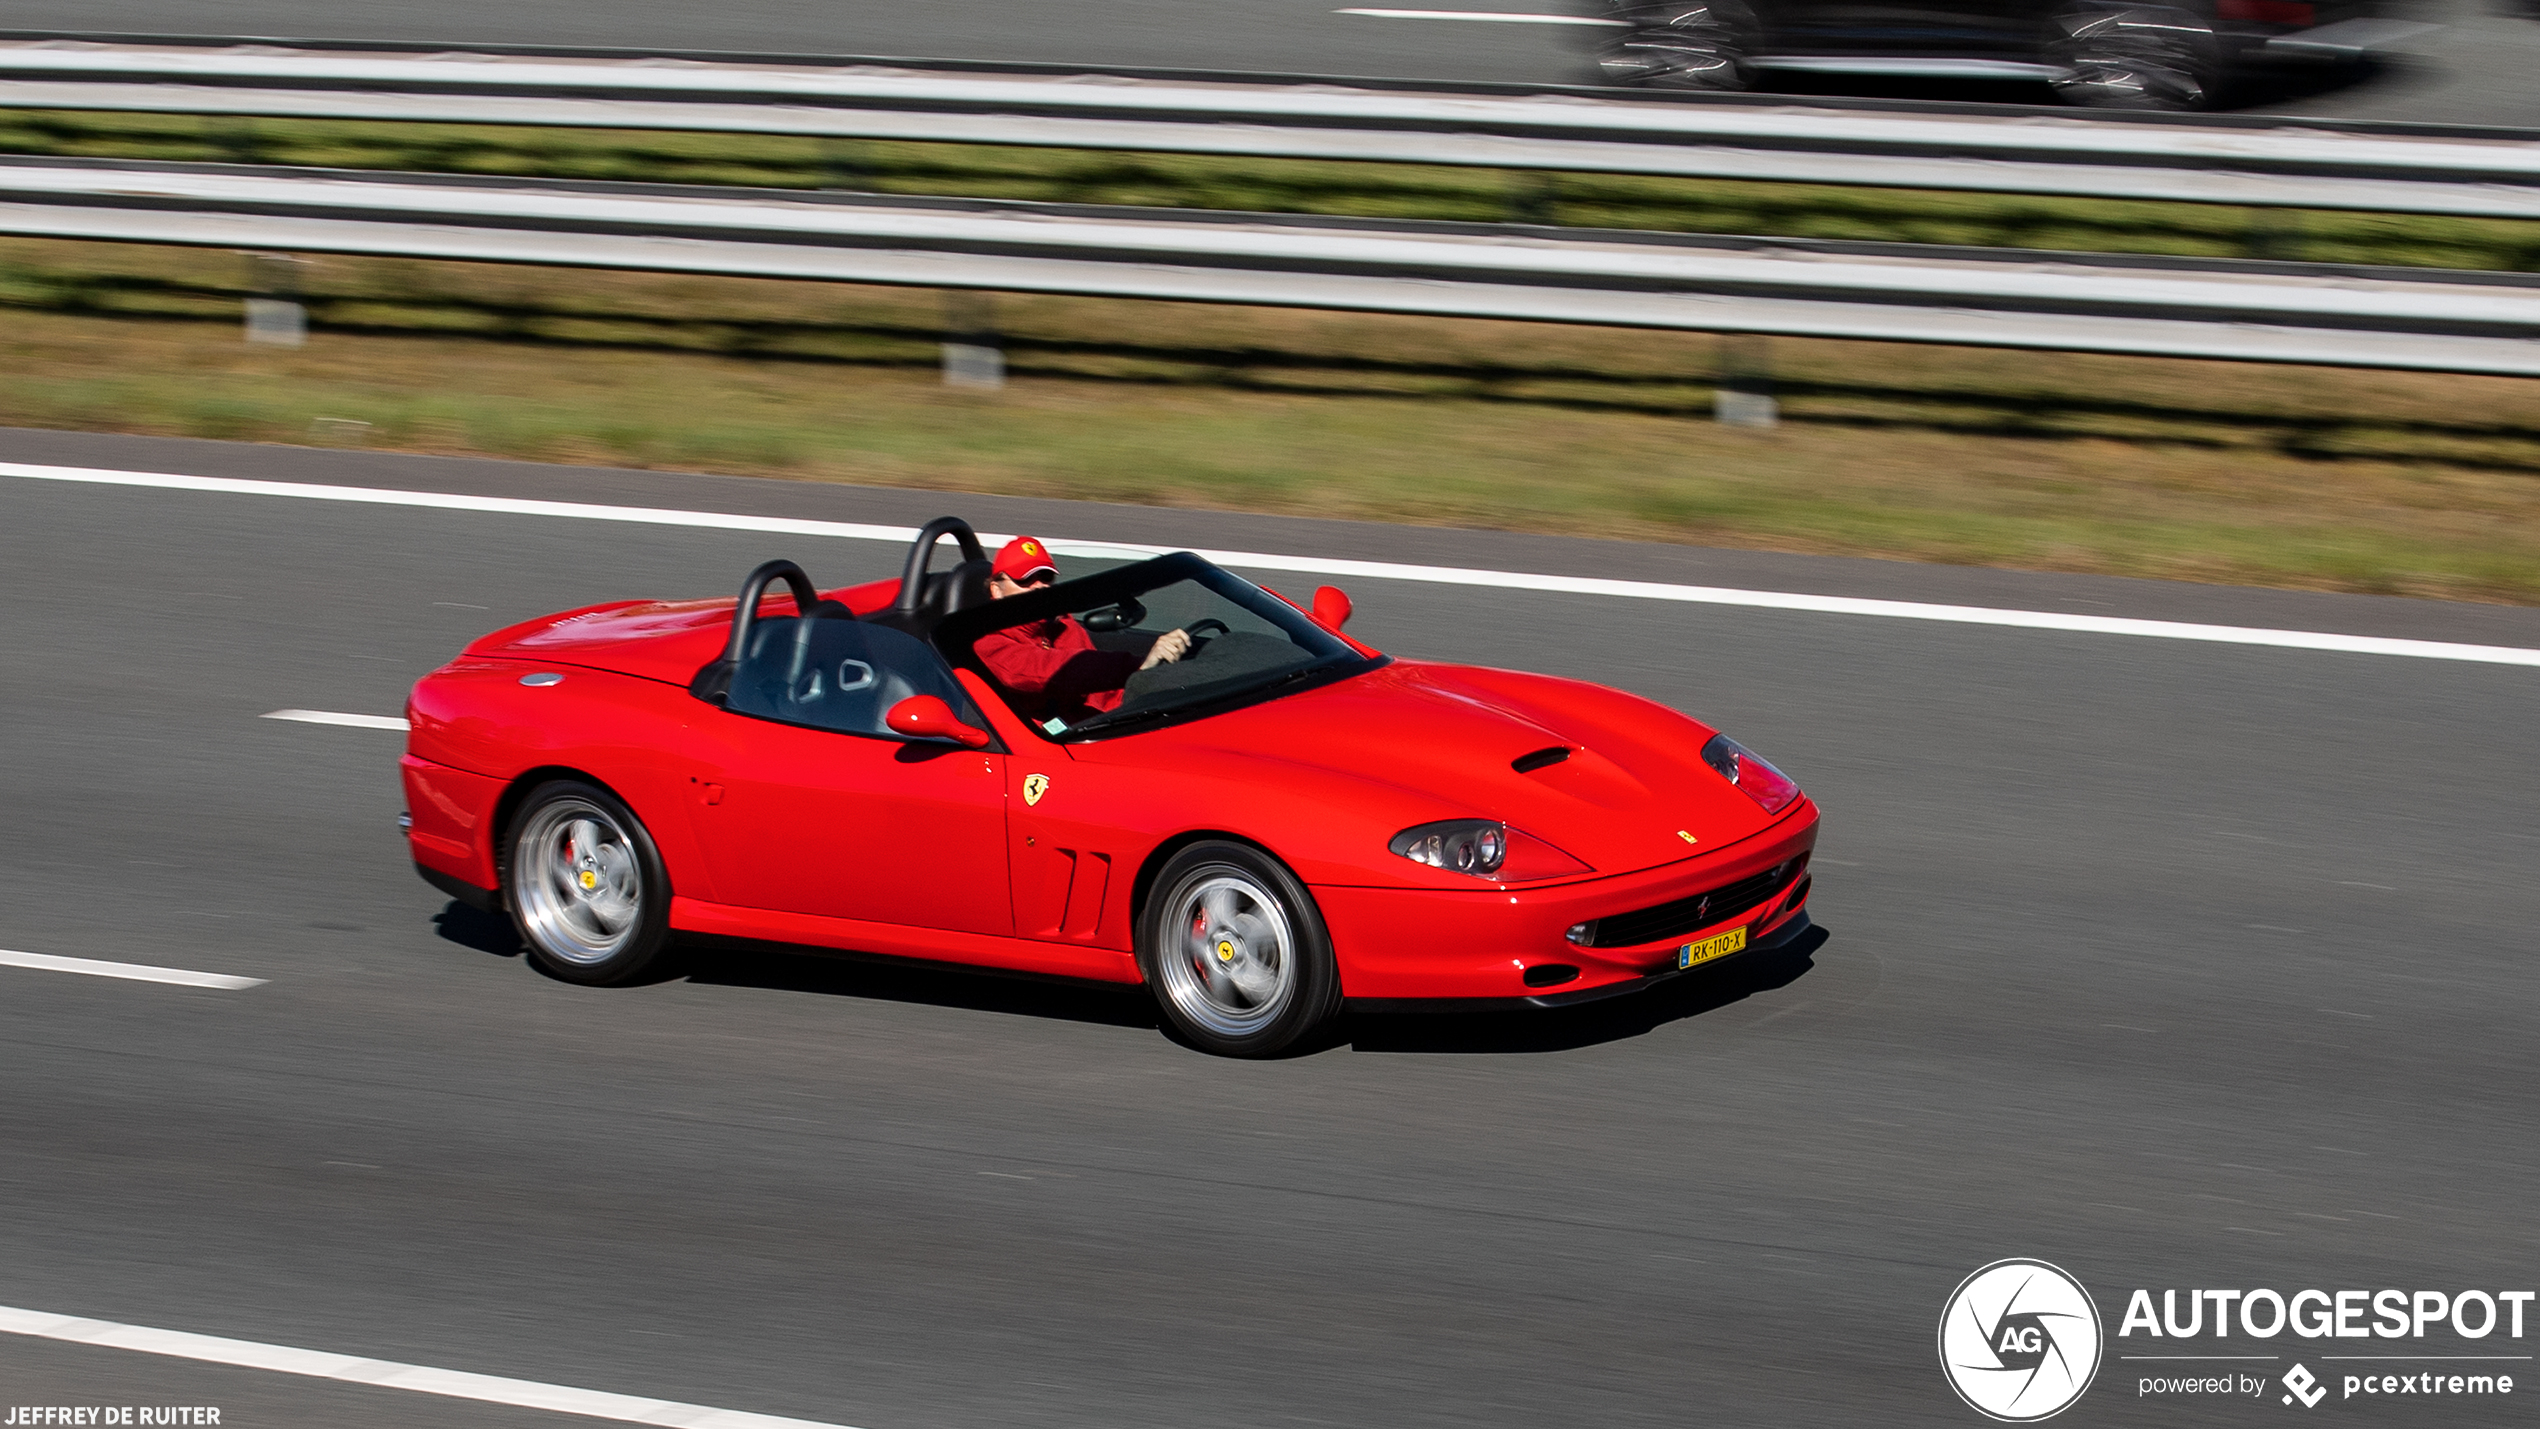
(1567, 1029)
(2255, 88)
(475, 928)
(733, 962)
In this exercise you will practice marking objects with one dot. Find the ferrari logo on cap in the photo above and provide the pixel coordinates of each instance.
(1034, 786)
(1688, 838)
(1031, 548)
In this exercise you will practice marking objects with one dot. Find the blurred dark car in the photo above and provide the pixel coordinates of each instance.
(2103, 53)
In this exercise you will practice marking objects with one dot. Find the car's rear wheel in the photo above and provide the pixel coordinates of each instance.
(1236, 952)
(586, 885)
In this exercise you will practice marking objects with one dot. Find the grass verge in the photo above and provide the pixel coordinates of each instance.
(1295, 186)
(2314, 478)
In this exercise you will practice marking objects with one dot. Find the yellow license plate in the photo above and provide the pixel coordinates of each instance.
(1709, 948)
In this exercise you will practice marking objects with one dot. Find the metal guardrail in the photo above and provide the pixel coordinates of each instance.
(2355, 317)
(2278, 164)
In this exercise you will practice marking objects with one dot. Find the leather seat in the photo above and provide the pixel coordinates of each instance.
(963, 587)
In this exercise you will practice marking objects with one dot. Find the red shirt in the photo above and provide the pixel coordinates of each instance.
(1054, 669)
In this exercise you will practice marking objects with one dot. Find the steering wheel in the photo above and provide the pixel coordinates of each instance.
(1193, 630)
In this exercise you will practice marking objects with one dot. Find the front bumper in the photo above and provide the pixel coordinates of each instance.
(1788, 927)
(1405, 944)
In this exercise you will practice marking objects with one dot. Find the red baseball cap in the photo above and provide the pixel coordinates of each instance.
(1023, 558)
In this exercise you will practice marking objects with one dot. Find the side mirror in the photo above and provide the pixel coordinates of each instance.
(1331, 606)
(926, 717)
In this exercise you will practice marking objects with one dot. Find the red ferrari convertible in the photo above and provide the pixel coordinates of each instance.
(1279, 819)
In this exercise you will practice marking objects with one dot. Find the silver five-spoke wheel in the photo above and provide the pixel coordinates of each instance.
(1235, 967)
(585, 884)
(578, 889)
(1236, 951)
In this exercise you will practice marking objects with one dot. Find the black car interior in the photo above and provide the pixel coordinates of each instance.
(823, 666)
(928, 596)
(838, 673)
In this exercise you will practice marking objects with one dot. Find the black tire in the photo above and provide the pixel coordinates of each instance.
(1700, 45)
(2143, 57)
(585, 885)
(1236, 953)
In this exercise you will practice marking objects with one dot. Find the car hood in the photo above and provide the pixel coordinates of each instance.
(1413, 741)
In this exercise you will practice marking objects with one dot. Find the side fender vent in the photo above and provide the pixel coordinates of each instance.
(1540, 759)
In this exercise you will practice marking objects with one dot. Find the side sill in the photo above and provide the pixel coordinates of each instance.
(982, 950)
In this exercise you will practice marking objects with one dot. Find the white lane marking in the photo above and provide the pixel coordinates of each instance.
(454, 1384)
(1486, 16)
(1317, 565)
(132, 972)
(355, 721)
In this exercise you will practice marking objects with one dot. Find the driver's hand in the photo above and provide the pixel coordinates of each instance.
(1172, 645)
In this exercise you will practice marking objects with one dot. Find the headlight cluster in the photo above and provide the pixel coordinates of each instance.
(1475, 846)
(1484, 848)
(1754, 778)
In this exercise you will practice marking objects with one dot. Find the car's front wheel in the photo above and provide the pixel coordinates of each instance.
(1236, 952)
(1694, 44)
(586, 885)
(2150, 57)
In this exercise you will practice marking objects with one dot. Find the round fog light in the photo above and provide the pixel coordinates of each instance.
(1579, 933)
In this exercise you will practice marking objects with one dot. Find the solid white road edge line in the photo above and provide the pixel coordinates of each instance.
(1316, 565)
(455, 1384)
(132, 972)
(1501, 16)
(355, 721)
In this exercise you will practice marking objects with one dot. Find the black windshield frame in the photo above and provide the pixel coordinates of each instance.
(1334, 658)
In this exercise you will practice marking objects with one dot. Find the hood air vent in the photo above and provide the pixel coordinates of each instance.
(1540, 759)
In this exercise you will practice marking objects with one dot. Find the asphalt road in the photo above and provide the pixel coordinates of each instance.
(2177, 965)
(2477, 69)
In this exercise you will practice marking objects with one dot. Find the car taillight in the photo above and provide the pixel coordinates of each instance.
(1754, 778)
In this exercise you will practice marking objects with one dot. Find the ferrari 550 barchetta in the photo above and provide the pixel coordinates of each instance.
(1221, 796)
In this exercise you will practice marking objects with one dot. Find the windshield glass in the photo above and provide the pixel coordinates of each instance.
(1153, 643)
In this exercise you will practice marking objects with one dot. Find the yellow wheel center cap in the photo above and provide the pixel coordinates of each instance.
(590, 880)
(1225, 950)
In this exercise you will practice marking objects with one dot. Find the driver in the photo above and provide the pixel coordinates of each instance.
(1051, 665)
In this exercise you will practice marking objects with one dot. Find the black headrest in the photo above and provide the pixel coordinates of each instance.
(963, 587)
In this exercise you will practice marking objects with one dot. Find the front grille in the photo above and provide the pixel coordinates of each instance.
(1666, 920)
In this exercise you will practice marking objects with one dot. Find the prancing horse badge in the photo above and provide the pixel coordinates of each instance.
(1034, 786)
